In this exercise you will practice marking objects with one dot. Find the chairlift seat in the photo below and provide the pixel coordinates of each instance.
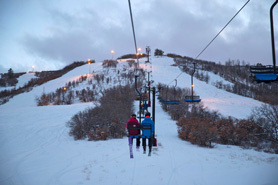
(134, 136)
(266, 77)
(171, 102)
(192, 99)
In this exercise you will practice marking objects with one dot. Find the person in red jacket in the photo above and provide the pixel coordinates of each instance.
(133, 127)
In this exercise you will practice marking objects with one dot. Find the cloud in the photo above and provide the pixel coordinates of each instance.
(56, 31)
(3, 69)
(78, 36)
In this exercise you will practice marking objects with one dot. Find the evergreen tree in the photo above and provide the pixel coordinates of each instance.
(10, 73)
(158, 52)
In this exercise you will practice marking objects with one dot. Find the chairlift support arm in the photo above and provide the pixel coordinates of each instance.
(140, 96)
(272, 36)
(192, 79)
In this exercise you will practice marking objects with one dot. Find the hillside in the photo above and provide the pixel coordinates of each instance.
(37, 149)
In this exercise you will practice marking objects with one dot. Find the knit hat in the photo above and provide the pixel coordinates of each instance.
(147, 114)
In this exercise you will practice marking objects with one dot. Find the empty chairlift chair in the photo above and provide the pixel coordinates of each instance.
(262, 73)
(191, 98)
(173, 101)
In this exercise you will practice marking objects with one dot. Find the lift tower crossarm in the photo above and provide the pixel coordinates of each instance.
(272, 36)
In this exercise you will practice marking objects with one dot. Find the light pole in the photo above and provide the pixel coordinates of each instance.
(139, 50)
(148, 50)
(112, 52)
(89, 62)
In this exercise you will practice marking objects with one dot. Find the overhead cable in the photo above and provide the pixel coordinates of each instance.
(215, 36)
(133, 30)
(222, 29)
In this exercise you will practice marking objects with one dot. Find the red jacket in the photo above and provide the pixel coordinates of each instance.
(133, 126)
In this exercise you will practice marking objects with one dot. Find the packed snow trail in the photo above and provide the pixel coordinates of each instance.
(36, 148)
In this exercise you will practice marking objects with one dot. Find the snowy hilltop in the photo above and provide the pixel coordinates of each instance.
(36, 147)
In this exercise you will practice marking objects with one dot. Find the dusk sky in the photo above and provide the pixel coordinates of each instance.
(51, 34)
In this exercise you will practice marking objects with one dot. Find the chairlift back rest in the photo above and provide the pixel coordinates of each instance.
(142, 127)
(136, 127)
(192, 97)
(171, 102)
(263, 69)
(146, 126)
(146, 130)
(133, 127)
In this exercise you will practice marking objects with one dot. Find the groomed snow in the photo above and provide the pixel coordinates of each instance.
(37, 150)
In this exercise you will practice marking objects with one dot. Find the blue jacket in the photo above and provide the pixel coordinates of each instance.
(147, 123)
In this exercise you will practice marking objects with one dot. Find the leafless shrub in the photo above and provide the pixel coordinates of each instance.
(197, 130)
(202, 127)
(107, 120)
(109, 63)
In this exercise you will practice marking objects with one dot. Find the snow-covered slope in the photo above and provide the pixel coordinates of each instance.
(36, 148)
(226, 103)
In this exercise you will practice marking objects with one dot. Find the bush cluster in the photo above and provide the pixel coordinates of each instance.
(106, 120)
(110, 63)
(133, 56)
(259, 131)
(203, 127)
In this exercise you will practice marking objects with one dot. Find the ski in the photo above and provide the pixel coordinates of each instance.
(130, 147)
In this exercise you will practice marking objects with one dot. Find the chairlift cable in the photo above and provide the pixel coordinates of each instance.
(222, 29)
(132, 24)
(215, 37)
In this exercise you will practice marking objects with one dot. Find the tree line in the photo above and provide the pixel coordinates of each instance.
(43, 77)
(95, 86)
(234, 71)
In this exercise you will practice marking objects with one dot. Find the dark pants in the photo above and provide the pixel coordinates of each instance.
(150, 143)
(137, 141)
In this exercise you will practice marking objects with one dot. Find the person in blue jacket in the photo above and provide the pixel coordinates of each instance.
(147, 127)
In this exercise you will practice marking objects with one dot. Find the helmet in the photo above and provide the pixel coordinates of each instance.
(133, 115)
(148, 114)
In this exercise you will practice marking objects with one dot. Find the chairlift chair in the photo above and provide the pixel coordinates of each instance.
(261, 73)
(267, 74)
(191, 98)
(171, 101)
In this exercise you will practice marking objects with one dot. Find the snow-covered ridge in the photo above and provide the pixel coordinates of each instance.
(22, 80)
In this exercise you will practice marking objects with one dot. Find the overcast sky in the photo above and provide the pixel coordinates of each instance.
(50, 34)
